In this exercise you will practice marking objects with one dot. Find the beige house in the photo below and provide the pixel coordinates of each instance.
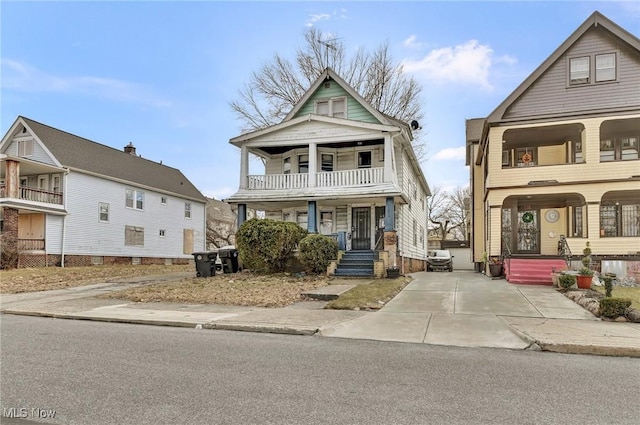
(559, 158)
(337, 166)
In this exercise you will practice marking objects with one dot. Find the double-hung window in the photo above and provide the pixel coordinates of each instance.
(134, 199)
(187, 210)
(579, 70)
(334, 107)
(327, 162)
(605, 67)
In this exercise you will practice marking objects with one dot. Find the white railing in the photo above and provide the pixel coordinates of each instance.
(357, 177)
(40, 195)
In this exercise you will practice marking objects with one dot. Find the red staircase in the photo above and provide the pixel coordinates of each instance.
(532, 271)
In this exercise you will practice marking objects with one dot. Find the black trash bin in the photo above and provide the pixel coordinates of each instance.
(229, 259)
(205, 263)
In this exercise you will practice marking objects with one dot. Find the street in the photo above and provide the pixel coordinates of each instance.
(76, 372)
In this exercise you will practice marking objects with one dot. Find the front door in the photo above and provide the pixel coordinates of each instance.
(528, 238)
(361, 228)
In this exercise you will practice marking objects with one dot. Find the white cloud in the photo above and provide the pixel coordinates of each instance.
(317, 17)
(411, 43)
(20, 76)
(467, 63)
(451, 154)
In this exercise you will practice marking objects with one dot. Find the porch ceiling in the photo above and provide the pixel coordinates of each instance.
(29, 167)
(275, 150)
(559, 200)
(542, 136)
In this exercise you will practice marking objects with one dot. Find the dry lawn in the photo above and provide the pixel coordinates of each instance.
(48, 278)
(243, 288)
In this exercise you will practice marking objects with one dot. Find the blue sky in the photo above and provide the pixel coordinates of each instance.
(161, 74)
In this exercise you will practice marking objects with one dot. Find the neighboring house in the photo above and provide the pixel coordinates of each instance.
(71, 201)
(221, 224)
(336, 166)
(560, 157)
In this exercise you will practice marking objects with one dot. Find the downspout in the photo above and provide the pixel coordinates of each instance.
(64, 217)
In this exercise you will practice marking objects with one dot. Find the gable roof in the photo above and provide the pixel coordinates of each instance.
(595, 20)
(84, 155)
(329, 74)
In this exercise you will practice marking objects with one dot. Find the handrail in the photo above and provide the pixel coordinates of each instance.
(564, 250)
(378, 241)
(505, 252)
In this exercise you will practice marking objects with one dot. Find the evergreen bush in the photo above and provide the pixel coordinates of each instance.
(317, 251)
(567, 281)
(265, 245)
(614, 307)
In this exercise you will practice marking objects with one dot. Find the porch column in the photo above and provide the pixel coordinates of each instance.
(312, 216)
(388, 159)
(389, 214)
(242, 214)
(244, 168)
(10, 234)
(313, 164)
(12, 179)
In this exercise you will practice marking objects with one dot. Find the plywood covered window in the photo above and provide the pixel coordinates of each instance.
(133, 236)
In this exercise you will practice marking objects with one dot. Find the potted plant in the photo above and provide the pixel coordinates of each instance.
(495, 266)
(585, 276)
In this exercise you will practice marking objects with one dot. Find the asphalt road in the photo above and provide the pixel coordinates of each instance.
(102, 373)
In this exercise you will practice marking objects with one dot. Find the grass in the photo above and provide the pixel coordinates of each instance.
(48, 278)
(372, 295)
(243, 288)
(624, 292)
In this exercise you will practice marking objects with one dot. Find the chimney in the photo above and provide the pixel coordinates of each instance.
(130, 149)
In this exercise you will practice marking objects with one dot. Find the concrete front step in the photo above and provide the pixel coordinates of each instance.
(327, 293)
(532, 271)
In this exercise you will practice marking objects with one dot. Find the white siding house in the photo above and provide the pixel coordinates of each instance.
(337, 166)
(68, 200)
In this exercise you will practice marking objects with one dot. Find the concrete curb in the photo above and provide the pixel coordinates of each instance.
(263, 328)
(590, 350)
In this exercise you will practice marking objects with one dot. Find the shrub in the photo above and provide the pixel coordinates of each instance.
(266, 245)
(317, 251)
(567, 280)
(614, 307)
(608, 285)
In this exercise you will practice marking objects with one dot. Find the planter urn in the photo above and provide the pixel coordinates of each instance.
(495, 270)
(584, 282)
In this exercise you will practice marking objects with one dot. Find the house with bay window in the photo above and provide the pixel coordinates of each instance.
(557, 164)
(338, 167)
(66, 200)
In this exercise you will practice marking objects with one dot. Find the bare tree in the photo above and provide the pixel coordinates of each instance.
(279, 84)
(449, 212)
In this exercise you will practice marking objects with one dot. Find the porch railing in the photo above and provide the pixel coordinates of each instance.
(30, 244)
(356, 177)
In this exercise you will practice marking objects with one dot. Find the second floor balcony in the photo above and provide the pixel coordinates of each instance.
(34, 194)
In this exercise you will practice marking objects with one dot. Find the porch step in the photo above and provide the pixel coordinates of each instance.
(532, 270)
(356, 264)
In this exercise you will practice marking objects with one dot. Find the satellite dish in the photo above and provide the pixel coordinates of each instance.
(415, 125)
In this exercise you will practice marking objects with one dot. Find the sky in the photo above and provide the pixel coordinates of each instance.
(161, 74)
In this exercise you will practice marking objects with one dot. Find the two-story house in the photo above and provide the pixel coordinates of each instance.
(68, 200)
(337, 166)
(559, 158)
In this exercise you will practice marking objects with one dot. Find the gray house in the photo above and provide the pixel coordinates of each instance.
(71, 201)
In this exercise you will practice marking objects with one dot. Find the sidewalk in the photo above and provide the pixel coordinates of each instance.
(463, 309)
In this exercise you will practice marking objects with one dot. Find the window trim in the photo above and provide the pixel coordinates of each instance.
(134, 199)
(100, 213)
(187, 210)
(615, 67)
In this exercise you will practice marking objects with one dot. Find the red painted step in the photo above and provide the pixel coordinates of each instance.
(532, 270)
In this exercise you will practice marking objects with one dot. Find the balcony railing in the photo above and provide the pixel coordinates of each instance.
(325, 179)
(34, 194)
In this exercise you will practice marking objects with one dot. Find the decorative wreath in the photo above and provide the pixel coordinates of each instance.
(527, 217)
(526, 158)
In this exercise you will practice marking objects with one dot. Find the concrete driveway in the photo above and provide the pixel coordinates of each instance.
(462, 308)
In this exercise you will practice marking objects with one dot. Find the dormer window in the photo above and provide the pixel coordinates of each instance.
(334, 107)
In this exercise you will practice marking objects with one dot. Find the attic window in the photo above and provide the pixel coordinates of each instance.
(25, 147)
(579, 71)
(605, 67)
(334, 107)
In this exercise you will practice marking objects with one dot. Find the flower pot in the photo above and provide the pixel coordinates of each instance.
(584, 282)
(495, 270)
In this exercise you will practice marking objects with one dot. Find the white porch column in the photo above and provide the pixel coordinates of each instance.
(313, 163)
(388, 159)
(244, 167)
